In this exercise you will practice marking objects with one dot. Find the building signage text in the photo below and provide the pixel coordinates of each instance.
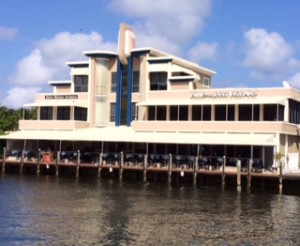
(61, 97)
(224, 94)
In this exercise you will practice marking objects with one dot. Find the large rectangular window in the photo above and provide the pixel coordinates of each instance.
(46, 113)
(161, 113)
(270, 112)
(206, 113)
(158, 81)
(174, 112)
(113, 112)
(183, 112)
(81, 83)
(80, 114)
(134, 112)
(113, 87)
(196, 112)
(63, 113)
(230, 112)
(136, 81)
(220, 112)
(245, 112)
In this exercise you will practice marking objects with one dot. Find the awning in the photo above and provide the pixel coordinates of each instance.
(57, 103)
(127, 134)
(213, 101)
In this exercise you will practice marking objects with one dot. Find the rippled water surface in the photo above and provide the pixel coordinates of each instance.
(47, 210)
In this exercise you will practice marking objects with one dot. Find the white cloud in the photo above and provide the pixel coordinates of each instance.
(47, 62)
(7, 33)
(168, 24)
(203, 51)
(268, 55)
(17, 96)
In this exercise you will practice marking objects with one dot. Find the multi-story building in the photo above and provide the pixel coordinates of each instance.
(142, 100)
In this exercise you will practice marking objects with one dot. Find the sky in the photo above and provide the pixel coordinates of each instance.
(248, 43)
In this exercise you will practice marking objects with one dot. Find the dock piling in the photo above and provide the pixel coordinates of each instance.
(121, 161)
(145, 169)
(77, 164)
(3, 160)
(280, 177)
(170, 169)
(57, 163)
(99, 164)
(38, 167)
(195, 166)
(238, 175)
(249, 173)
(223, 171)
(22, 161)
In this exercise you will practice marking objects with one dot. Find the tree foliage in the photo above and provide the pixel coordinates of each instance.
(9, 118)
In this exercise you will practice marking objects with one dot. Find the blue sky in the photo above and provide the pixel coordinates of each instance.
(248, 43)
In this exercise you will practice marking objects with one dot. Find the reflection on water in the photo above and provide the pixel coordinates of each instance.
(64, 211)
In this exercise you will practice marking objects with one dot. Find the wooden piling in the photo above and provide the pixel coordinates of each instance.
(195, 167)
(249, 173)
(77, 164)
(145, 169)
(22, 162)
(280, 177)
(99, 164)
(238, 175)
(170, 169)
(38, 167)
(223, 171)
(3, 160)
(57, 163)
(121, 162)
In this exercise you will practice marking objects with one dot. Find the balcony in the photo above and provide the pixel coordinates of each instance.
(216, 126)
(52, 124)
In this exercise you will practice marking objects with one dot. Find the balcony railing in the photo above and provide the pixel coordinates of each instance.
(52, 124)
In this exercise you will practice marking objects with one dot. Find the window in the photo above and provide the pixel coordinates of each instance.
(81, 83)
(206, 81)
(113, 112)
(63, 113)
(245, 112)
(161, 113)
(113, 87)
(206, 113)
(158, 81)
(134, 112)
(183, 112)
(80, 114)
(157, 113)
(230, 112)
(136, 81)
(196, 112)
(46, 113)
(174, 112)
(220, 112)
(270, 112)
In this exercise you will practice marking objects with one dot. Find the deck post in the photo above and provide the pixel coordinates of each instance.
(223, 171)
(38, 167)
(99, 164)
(77, 163)
(170, 169)
(57, 163)
(145, 169)
(238, 175)
(121, 167)
(3, 160)
(249, 173)
(22, 161)
(195, 165)
(280, 177)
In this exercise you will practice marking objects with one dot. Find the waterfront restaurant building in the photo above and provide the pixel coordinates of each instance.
(145, 101)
